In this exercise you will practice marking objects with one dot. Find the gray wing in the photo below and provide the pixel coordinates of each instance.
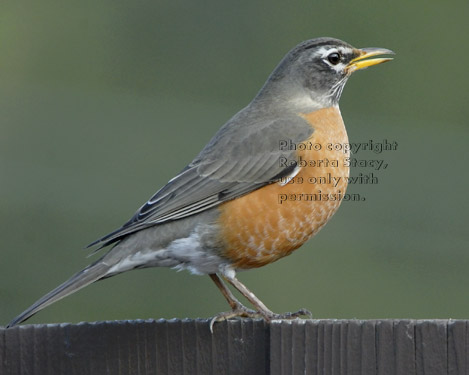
(243, 156)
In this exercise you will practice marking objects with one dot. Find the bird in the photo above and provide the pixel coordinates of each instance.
(252, 195)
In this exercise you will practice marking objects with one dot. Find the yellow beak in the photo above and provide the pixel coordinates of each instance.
(360, 62)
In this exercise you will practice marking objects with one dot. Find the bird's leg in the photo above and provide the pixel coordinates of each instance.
(259, 305)
(256, 302)
(237, 308)
(230, 298)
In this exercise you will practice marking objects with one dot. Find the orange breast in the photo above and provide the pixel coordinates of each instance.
(271, 222)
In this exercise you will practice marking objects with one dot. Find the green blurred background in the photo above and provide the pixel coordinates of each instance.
(103, 102)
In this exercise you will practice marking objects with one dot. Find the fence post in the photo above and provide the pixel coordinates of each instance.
(317, 347)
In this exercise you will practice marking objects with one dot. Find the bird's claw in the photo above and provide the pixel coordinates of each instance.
(239, 312)
(292, 315)
(243, 312)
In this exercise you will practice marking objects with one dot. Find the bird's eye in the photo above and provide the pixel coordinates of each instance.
(334, 58)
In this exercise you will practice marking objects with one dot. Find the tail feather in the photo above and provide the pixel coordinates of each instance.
(81, 279)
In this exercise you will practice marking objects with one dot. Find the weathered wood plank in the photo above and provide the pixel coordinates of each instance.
(316, 347)
(458, 349)
(384, 347)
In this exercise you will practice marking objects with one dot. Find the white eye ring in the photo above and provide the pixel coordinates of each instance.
(327, 52)
(334, 58)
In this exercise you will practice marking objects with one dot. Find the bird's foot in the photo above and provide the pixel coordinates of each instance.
(242, 311)
(291, 315)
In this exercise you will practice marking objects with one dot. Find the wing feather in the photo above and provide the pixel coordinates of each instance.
(243, 156)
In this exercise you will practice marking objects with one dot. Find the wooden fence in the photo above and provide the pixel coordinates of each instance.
(345, 347)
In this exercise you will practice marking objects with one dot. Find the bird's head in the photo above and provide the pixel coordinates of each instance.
(318, 69)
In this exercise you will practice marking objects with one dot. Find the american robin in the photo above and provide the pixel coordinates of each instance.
(252, 194)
